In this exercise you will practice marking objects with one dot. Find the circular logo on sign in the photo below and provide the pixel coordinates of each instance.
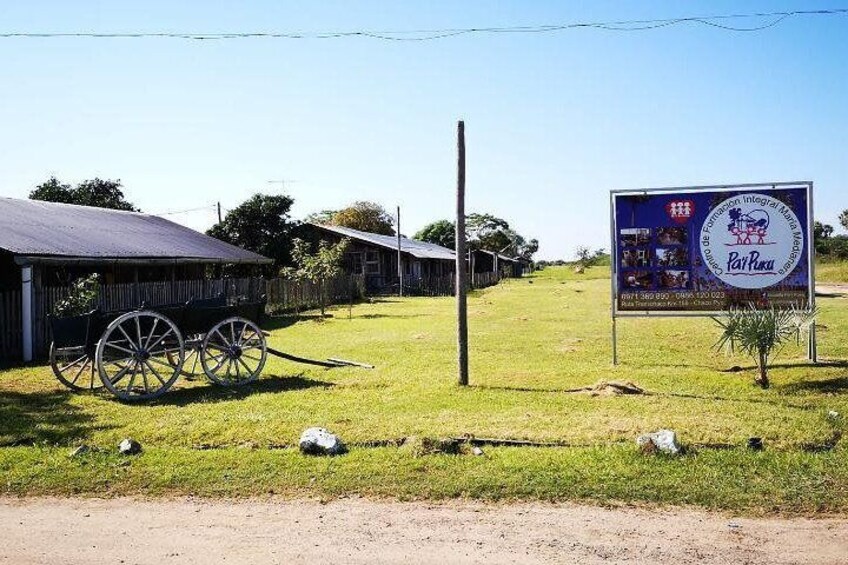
(751, 241)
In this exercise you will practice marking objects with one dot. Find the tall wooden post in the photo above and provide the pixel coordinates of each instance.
(461, 265)
(400, 259)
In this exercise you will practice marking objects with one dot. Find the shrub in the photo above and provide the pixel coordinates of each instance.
(762, 333)
(82, 298)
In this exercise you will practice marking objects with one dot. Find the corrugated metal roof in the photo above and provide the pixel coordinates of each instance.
(418, 249)
(46, 229)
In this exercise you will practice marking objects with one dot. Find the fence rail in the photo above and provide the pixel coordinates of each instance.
(282, 296)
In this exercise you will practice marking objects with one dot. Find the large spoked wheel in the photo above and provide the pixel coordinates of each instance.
(133, 355)
(233, 352)
(74, 368)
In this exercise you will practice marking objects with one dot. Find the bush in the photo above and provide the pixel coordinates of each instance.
(82, 298)
(762, 333)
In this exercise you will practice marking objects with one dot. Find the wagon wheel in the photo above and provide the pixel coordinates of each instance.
(74, 368)
(233, 352)
(132, 355)
(191, 364)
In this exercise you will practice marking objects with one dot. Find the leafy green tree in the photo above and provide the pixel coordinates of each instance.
(441, 232)
(843, 219)
(95, 192)
(321, 218)
(82, 297)
(761, 333)
(261, 224)
(488, 232)
(587, 258)
(365, 216)
(319, 267)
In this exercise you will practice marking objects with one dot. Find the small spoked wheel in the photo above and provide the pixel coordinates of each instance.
(233, 352)
(135, 353)
(74, 368)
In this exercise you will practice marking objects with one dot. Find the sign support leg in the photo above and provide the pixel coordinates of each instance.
(812, 345)
(614, 343)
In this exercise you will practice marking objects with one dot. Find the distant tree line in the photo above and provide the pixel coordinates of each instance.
(828, 245)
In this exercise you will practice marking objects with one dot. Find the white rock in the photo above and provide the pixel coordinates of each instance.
(477, 451)
(664, 440)
(318, 441)
(129, 446)
(833, 415)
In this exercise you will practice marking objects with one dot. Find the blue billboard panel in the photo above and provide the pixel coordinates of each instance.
(707, 250)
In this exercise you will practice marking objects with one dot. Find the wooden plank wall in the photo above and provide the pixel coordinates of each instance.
(10, 327)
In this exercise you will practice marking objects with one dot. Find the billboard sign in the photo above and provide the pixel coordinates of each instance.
(702, 250)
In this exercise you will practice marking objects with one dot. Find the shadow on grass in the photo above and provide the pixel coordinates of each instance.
(271, 323)
(387, 316)
(835, 363)
(28, 418)
(214, 393)
(834, 385)
(647, 394)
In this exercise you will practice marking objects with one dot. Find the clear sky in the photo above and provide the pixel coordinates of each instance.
(554, 121)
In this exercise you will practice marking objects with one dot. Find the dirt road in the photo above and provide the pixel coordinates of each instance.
(359, 531)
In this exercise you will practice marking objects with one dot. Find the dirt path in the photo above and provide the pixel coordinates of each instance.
(360, 531)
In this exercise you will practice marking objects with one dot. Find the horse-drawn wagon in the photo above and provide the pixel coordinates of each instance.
(138, 355)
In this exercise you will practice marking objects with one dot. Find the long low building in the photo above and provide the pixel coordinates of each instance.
(376, 256)
(48, 244)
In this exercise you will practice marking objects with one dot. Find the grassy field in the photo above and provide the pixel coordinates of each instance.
(533, 342)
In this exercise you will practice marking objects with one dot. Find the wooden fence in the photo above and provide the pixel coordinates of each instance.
(11, 341)
(282, 296)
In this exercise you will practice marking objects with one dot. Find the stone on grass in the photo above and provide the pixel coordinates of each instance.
(662, 440)
(81, 450)
(476, 450)
(318, 441)
(579, 269)
(129, 446)
(833, 415)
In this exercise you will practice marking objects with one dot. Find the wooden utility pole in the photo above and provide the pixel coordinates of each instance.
(461, 265)
(219, 212)
(400, 259)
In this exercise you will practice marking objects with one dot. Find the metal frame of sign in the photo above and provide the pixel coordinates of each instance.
(753, 187)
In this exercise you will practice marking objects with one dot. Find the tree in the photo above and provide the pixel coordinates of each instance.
(824, 231)
(321, 218)
(843, 219)
(761, 333)
(261, 224)
(587, 258)
(365, 216)
(441, 232)
(488, 232)
(95, 192)
(319, 267)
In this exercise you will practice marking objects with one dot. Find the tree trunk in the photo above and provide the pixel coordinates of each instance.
(321, 296)
(762, 365)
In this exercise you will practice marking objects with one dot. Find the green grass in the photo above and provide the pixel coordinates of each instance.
(832, 271)
(532, 341)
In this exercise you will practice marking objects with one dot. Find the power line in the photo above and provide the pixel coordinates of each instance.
(173, 212)
(716, 21)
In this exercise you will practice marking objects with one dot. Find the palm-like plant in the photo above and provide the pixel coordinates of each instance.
(761, 333)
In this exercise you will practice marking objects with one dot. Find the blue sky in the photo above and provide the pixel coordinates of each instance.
(554, 121)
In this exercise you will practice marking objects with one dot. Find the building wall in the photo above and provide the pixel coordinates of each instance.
(10, 273)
